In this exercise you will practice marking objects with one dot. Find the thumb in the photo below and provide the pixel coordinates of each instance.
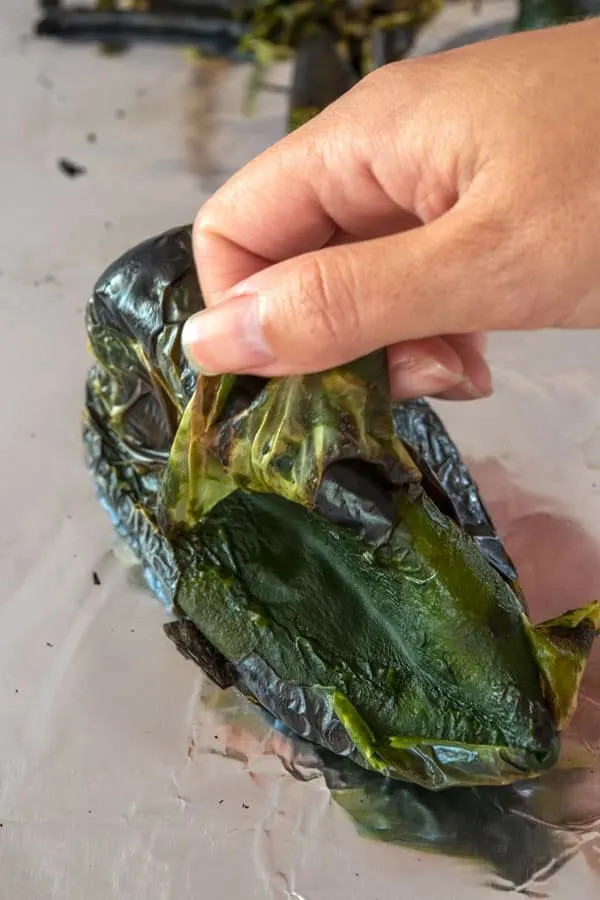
(336, 304)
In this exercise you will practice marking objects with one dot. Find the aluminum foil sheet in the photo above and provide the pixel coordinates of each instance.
(123, 772)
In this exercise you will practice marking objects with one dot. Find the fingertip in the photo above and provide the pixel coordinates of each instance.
(446, 368)
(423, 367)
(478, 381)
(480, 341)
(463, 391)
(222, 265)
(201, 229)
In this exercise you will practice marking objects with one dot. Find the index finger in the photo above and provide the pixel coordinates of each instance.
(327, 182)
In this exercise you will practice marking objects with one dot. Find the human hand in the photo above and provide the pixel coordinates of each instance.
(440, 198)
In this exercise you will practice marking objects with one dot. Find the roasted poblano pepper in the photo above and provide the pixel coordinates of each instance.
(323, 551)
(334, 43)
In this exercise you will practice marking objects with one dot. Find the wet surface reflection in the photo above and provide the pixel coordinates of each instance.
(519, 836)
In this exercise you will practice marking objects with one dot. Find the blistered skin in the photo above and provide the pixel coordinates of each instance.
(327, 554)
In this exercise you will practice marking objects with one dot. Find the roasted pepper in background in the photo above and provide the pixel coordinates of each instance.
(333, 43)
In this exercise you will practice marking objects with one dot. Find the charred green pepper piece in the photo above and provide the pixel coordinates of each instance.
(316, 557)
(535, 14)
(334, 42)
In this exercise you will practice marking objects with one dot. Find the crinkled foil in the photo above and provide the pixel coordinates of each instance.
(123, 772)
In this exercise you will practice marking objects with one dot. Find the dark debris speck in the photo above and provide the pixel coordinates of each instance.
(220, 802)
(70, 169)
(96, 578)
(49, 644)
(245, 806)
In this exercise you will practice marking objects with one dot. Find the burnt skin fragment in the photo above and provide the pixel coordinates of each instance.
(192, 644)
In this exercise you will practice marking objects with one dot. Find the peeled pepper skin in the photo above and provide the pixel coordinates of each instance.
(307, 554)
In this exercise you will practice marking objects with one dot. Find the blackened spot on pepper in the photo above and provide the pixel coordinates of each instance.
(354, 494)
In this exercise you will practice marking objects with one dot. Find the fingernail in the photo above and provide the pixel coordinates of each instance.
(227, 337)
(471, 388)
(426, 377)
(478, 378)
(476, 388)
(480, 342)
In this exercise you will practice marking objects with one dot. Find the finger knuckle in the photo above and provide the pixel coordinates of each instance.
(329, 301)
